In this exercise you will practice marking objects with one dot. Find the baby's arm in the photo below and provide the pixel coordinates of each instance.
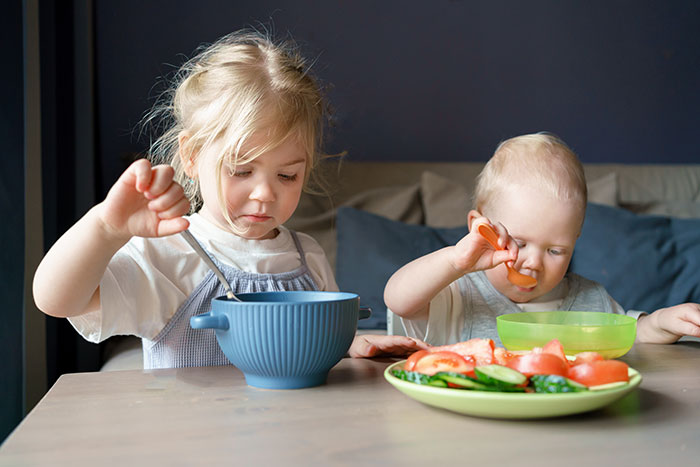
(409, 291)
(145, 202)
(667, 325)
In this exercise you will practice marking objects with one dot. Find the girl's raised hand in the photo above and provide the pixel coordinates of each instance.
(474, 253)
(145, 202)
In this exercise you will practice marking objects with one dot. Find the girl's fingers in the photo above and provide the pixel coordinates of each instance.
(137, 175)
(172, 226)
(179, 209)
(172, 195)
(161, 180)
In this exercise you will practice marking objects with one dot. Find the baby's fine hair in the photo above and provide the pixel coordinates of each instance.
(244, 83)
(540, 160)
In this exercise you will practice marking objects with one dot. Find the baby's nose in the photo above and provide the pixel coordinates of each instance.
(530, 260)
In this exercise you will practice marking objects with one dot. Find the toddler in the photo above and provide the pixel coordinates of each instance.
(243, 132)
(533, 192)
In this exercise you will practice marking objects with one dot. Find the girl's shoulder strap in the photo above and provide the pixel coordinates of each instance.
(300, 249)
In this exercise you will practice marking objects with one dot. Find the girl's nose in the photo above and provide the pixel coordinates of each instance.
(263, 191)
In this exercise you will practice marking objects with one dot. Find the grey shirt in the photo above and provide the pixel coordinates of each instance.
(481, 303)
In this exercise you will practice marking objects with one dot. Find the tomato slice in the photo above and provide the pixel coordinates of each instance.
(481, 350)
(413, 359)
(599, 372)
(554, 347)
(501, 356)
(539, 364)
(586, 357)
(435, 362)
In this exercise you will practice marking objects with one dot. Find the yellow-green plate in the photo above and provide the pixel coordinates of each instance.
(510, 405)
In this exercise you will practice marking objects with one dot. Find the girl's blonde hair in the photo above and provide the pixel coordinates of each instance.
(244, 83)
(539, 160)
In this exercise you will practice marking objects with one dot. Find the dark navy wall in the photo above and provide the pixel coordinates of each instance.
(440, 80)
(12, 205)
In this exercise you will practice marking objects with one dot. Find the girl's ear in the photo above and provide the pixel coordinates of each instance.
(187, 154)
(473, 214)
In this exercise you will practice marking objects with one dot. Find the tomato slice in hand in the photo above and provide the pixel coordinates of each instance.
(539, 364)
(435, 362)
(413, 359)
(599, 372)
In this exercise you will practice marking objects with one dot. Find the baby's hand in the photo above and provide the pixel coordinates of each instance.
(474, 253)
(373, 345)
(145, 202)
(667, 325)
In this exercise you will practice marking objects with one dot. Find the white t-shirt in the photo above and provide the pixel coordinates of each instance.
(149, 278)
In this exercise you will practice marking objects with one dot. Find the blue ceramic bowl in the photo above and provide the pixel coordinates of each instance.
(284, 340)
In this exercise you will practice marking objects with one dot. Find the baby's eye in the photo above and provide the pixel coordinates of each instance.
(520, 243)
(555, 252)
(288, 177)
(241, 173)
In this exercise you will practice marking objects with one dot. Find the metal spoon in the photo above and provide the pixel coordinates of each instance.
(515, 277)
(187, 235)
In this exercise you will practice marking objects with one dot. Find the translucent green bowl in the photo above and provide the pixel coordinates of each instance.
(608, 334)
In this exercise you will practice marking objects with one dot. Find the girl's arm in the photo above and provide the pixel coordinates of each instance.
(145, 202)
(409, 291)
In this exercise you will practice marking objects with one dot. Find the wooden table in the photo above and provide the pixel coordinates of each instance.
(208, 416)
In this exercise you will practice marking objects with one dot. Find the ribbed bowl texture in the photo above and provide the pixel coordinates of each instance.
(287, 340)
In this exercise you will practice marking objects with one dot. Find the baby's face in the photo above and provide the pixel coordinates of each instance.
(259, 195)
(545, 230)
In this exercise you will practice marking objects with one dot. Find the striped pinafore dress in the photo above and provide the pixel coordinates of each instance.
(178, 345)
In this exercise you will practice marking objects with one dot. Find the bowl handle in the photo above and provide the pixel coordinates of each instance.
(365, 312)
(207, 321)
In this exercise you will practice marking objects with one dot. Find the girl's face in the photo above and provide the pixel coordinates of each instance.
(259, 195)
(545, 230)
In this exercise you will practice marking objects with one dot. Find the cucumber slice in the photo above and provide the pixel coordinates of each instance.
(460, 380)
(499, 375)
(555, 384)
(412, 376)
(602, 387)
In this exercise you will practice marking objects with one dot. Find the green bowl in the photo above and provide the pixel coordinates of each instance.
(609, 334)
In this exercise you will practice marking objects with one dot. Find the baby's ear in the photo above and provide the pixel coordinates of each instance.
(186, 153)
(473, 214)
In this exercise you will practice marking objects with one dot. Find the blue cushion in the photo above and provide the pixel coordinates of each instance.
(645, 262)
(371, 248)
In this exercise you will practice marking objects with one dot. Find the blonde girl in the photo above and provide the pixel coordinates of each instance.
(243, 123)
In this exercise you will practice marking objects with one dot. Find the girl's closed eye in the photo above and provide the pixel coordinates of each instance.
(287, 177)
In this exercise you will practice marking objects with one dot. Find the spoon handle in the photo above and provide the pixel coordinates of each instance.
(189, 238)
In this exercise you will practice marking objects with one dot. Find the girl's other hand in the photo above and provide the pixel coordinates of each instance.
(375, 345)
(145, 202)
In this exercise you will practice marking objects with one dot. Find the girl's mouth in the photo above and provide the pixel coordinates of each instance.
(256, 217)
